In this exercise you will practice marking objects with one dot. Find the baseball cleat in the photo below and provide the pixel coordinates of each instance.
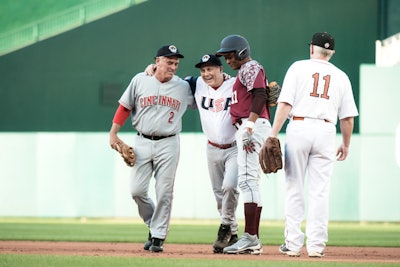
(246, 244)
(233, 240)
(252, 251)
(315, 254)
(147, 244)
(284, 250)
(218, 250)
(156, 245)
(224, 236)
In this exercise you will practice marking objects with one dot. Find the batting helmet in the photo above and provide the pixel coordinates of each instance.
(237, 44)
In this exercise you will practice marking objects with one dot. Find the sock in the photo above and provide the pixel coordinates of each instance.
(258, 218)
(250, 213)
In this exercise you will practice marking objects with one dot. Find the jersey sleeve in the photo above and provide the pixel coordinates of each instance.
(192, 83)
(289, 84)
(253, 76)
(348, 106)
(260, 81)
(128, 97)
(191, 103)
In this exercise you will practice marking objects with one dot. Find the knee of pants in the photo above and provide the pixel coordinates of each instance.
(230, 188)
(248, 185)
(138, 193)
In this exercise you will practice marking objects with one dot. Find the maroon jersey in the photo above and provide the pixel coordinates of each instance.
(251, 75)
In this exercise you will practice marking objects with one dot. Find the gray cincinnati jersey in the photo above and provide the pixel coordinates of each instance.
(157, 108)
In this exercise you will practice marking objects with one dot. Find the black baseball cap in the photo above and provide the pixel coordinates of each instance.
(324, 40)
(209, 59)
(168, 51)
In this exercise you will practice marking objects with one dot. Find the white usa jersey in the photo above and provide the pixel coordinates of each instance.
(214, 108)
(318, 89)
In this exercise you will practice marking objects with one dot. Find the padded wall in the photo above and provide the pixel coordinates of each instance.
(72, 82)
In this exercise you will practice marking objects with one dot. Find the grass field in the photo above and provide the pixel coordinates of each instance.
(184, 232)
(78, 261)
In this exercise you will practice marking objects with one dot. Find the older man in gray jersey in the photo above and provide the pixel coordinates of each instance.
(156, 105)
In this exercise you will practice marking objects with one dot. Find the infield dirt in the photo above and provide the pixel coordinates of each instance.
(332, 254)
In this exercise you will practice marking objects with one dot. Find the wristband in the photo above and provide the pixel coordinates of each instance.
(249, 124)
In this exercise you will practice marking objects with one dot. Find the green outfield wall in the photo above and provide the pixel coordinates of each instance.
(71, 82)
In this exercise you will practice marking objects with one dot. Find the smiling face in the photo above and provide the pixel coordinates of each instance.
(166, 68)
(212, 75)
(232, 61)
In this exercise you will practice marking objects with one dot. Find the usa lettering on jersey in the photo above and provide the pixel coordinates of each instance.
(215, 105)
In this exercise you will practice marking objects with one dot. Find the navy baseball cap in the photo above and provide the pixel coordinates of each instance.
(168, 51)
(324, 40)
(209, 59)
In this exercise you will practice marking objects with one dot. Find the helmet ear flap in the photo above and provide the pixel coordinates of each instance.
(242, 54)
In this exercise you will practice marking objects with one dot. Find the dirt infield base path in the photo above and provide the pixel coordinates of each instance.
(333, 254)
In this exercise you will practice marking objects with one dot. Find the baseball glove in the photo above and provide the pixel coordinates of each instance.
(127, 153)
(271, 155)
(273, 91)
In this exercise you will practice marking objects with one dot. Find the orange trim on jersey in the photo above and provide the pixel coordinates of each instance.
(295, 118)
(121, 115)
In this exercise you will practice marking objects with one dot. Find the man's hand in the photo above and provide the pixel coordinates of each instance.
(248, 143)
(150, 69)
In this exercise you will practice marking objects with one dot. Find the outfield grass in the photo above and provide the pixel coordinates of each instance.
(189, 232)
(185, 232)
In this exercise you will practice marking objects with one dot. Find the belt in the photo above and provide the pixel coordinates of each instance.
(302, 119)
(154, 137)
(225, 146)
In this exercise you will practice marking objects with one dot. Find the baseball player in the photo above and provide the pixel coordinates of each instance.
(250, 115)
(156, 104)
(314, 94)
(213, 97)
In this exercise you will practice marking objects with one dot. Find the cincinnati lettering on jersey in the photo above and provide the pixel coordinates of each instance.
(215, 105)
(160, 100)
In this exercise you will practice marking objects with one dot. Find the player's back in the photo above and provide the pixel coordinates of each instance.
(317, 89)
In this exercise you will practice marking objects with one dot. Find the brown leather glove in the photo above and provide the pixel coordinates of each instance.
(127, 153)
(270, 156)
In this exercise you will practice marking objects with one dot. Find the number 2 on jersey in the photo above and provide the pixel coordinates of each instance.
(327, 80)
(171, 117)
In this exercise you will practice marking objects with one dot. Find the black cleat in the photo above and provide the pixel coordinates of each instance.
(156, 245)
